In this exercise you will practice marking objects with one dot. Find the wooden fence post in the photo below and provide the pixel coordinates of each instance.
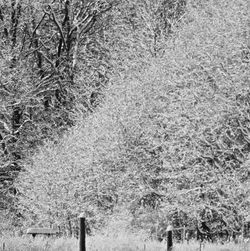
(184, 234)
(82, 235)
(169, 238)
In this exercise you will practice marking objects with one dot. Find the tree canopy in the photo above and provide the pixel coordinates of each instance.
(139, 106)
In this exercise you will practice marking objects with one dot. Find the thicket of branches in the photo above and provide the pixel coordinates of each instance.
(45, 47)
(158, 109)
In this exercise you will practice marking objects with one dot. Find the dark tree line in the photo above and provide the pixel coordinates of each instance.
(41, 45)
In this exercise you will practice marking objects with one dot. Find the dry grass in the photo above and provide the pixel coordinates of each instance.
(102, 243)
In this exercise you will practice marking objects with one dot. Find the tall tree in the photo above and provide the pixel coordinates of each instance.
(41, 78)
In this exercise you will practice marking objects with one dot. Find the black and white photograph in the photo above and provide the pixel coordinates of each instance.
(124, 125)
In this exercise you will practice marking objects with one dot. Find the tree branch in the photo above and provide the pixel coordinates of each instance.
(33, 33)
(59, 27)
(47, 59)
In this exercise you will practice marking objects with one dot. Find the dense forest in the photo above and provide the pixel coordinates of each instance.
(126, 111)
